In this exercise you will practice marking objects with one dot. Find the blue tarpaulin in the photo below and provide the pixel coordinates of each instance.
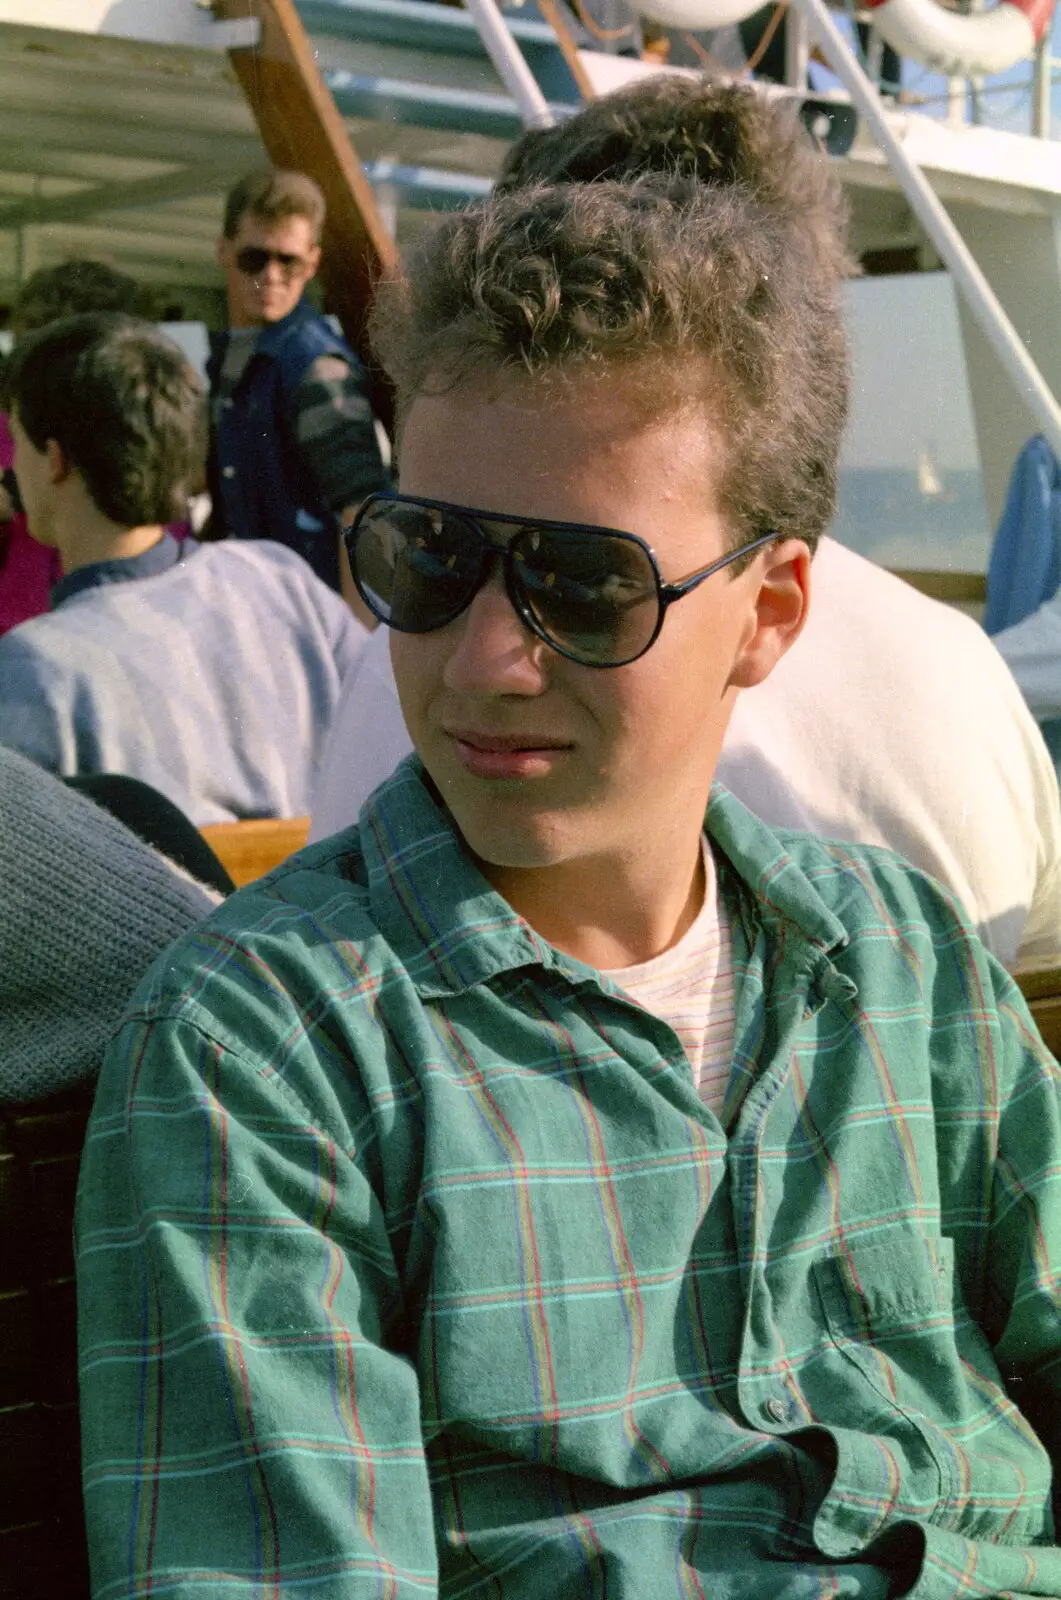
(1025, 566)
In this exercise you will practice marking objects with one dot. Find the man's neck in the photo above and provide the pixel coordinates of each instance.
(97, 540)
(609, 912)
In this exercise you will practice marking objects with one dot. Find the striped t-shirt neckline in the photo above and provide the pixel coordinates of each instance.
(691, 988)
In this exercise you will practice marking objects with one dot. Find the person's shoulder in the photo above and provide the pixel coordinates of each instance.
(249, 555)
(279, 571)
(855, 581)
(876, 893)
(300, 941)
(239, 568)
(36, 648)
(905, 637)
(314, 335)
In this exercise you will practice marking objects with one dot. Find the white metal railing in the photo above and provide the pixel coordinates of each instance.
(509, 64)
(955, 254)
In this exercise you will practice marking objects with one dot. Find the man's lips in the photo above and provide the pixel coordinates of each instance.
(507, 755)
(507, 741)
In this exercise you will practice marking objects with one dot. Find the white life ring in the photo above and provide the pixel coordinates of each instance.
(954, 43)
(962, 44)
(695, 14)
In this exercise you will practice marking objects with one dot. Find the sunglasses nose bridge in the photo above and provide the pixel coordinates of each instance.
(497, 560)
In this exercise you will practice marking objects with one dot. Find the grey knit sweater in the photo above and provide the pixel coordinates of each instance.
(84, 910)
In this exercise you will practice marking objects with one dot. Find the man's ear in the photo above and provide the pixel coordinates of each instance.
(779, 611)
(314, 259)
(59, 468)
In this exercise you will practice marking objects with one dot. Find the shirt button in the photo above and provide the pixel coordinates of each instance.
(228, 472)
(776, 1410)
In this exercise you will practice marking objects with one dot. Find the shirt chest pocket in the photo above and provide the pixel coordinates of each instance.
(888, 1311)
(903, 1359)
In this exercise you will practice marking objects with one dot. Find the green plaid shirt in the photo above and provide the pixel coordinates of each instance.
(411, 1263)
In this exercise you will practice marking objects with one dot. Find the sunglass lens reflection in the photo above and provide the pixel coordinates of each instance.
(594, 597)
(417, 566)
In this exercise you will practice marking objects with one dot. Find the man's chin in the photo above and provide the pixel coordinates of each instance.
(513, 827)
(527, 845)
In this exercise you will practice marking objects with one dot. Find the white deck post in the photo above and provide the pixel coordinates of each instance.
(510, 64)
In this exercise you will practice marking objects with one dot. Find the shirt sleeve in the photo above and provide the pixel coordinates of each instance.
(336, 430)
(246, 1429)
(1022, 1310)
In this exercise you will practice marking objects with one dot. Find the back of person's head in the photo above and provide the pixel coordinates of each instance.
(716, 294)
(274, 196)
(123, 404)
(723, 135)
(72, 288)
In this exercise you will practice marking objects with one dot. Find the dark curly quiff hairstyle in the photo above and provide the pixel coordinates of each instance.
(686, 232)
(124, 405)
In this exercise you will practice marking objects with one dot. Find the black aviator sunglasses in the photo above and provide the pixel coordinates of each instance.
(252, 261)
(595, 595)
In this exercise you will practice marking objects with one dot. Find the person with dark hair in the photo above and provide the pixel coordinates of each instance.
(209, 672)
(28, 570)
(874, 652)
(562, 1184)
(294, 447)
(72, 288)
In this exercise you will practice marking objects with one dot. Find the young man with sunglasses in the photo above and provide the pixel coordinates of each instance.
(875, 652)
(541, 1190)
(293, 437)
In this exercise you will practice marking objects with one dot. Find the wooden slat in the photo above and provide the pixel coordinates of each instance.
(550, 12)
(42, 1538)
(955, 588)
(248, 850)
(1039, 982)
(302, 129)
(1041, 987)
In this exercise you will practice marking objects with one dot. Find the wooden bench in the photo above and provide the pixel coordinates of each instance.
(1041, 987)
(248, 850)
(42, 1540)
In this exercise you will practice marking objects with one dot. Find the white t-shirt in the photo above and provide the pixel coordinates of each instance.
(691, 988)
(893, 720)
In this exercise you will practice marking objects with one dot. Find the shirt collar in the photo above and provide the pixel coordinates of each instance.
(273, 334)
(451, 930)
(159, 558)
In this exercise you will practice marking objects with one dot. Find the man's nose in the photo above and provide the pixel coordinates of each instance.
(494, 652)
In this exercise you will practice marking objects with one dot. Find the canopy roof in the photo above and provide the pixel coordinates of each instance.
(121, 125)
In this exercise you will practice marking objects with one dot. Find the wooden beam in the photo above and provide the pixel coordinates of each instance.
(550, 12)
(132, 196)
(301, 128)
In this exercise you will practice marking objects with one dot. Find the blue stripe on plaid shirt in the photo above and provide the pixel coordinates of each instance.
(410, 1262)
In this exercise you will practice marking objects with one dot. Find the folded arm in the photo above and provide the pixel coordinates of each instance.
(245, 1428)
